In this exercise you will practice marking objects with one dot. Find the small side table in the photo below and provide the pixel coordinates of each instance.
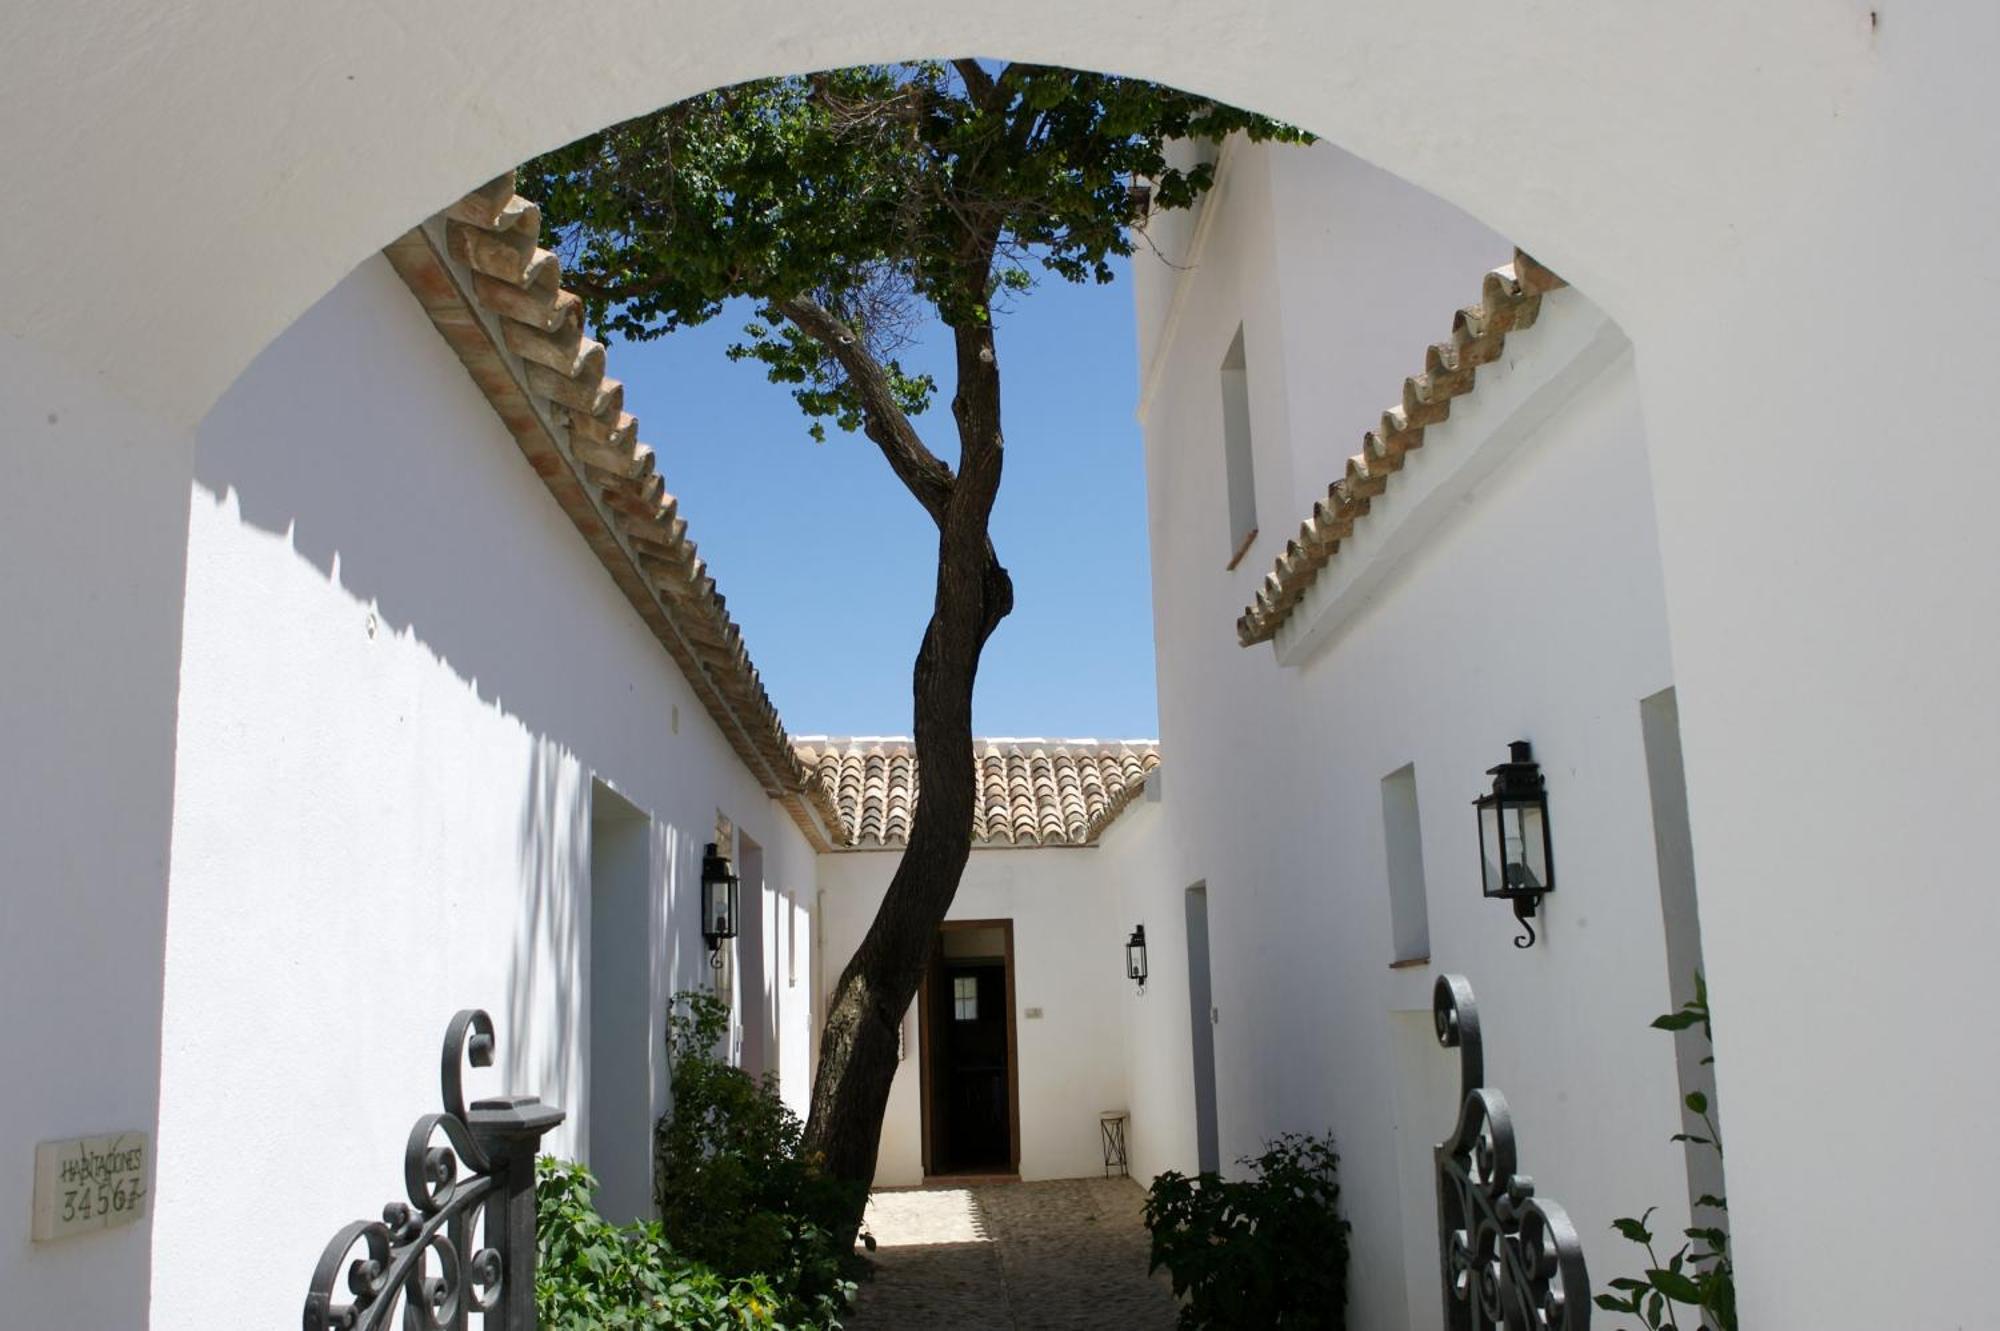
(1111, 1124)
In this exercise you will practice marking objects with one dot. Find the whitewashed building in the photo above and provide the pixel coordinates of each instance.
(1478, 565)
(388, 808)
(372, 771)
(1780, 206)
(1015, 1046)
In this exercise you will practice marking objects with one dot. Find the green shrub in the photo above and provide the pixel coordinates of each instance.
(734, 1189)
(1701, 1274)
(1267, 1251)
(597, 1276)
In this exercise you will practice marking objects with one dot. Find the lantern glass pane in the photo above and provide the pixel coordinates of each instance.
(1490, 841)
(716, 897)
(1527, 850)
(1134, 969)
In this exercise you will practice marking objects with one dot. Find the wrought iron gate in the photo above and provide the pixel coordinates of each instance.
(1508, 1260)
(464, 1242)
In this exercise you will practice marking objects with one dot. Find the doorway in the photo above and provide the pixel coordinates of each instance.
(753, 998)
(1201, 1021)
(619, 1119)
(967, 1051)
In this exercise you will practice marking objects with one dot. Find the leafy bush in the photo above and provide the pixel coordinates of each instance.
(733, 1186)
(1700, 1275)
(597, 1276)
(1268, 1251)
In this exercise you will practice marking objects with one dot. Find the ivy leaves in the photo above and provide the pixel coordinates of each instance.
(592, 1275)
(1700, 1274)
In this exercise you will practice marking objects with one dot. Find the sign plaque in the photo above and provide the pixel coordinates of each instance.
(89, 1183)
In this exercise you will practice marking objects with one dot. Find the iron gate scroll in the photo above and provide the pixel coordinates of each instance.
(464, 1242)
(1509, 1261)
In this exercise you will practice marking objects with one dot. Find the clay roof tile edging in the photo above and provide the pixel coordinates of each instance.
(1055, 793)
(496, 296)
(1510, 300)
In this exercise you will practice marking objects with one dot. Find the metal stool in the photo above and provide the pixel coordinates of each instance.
(1111, 1124)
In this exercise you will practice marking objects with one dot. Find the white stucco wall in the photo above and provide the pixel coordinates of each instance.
(403, 669)
(774, 1010)
(1534, 610)
(89, 652)
(1773, 201)
(1068, 962)
(794, 1005)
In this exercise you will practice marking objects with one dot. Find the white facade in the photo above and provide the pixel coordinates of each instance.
(1773, 201)
(1507, 586)
(1067, 1000)
(405, 677)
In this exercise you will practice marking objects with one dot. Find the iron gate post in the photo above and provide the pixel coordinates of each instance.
(465, 1172)
(510, 1130)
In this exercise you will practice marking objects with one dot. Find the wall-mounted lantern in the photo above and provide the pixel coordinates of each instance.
(1135, 957)
(1516, 855)
(718, 901)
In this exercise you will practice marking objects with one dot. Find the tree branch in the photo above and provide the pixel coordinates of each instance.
(921, 471)
(979, 85)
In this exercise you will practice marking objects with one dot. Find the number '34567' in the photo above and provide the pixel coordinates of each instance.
(104, 1199)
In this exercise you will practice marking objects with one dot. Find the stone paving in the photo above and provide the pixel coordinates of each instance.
(1000, 1256)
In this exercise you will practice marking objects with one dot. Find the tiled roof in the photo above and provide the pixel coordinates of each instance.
(497, 297)
(1510, 300)
(1032, 792)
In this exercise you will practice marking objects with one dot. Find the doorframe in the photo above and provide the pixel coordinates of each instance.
(1006, 928)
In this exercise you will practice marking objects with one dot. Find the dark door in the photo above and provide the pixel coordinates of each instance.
(969, 1086)
(1201, 1021)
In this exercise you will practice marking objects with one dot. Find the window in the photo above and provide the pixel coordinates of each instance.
(1241, 477)
(965, 997)
(1403, 838)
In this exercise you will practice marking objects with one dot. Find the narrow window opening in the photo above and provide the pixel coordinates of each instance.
(1403, 839)
(965, 998)
(1241, 475)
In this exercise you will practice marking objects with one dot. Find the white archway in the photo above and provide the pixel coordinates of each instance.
(1787, 206)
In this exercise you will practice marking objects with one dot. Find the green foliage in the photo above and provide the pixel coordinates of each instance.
(1268, 1251)
(596, 1276)
(733, 1186)
(872, 190)
(1699, 1275)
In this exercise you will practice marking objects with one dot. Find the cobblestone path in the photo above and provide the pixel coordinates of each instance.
(993, 1257)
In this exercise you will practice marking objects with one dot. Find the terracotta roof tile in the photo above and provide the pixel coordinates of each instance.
(1510, 300)
(1031, 792)
(496, 295)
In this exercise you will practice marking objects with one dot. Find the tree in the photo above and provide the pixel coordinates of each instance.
(845, 204)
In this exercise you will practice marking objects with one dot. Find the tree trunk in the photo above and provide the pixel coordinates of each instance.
(857, 1059)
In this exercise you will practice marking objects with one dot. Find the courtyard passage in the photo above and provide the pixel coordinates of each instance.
(986, 1257)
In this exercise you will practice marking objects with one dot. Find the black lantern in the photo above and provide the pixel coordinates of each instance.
(1135, 956)
(718, 901)
(1516, 855)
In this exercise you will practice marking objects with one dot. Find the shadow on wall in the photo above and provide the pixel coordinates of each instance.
(358, 438)
(680, 960)
(545, 975)
(358, 441)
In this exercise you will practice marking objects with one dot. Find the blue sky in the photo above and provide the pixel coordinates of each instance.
(827, 562)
